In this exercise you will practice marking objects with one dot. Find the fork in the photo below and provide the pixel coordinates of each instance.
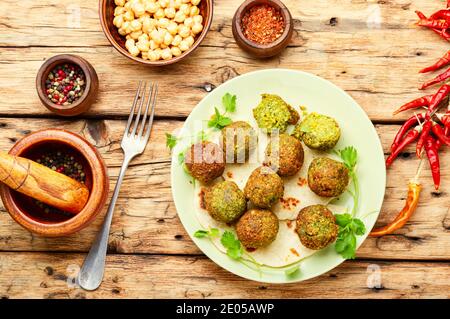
(133, 143)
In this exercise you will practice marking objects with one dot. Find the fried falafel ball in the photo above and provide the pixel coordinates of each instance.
(257, 228)
(327, 177)
(316, 227)
(318, 131)
(205, 161)
(273, 113)
(238, 139)
(225, 202)
(264, 187)
(285, 155)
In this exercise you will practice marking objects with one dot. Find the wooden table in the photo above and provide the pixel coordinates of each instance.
(369, 48)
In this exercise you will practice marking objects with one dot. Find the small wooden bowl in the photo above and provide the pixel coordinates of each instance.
(85, 101)
(106, 11)
(24, 210)
(262, 50)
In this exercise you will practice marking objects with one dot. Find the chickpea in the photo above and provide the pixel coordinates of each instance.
(184, 45)
(177, 4)
(163, 23)
(163, 3)
(144, 37)
(120, 3)
(153, 56)
(144, 55)
(190, 40)
(194, 11)
(122, 32)
(195, 2)
(156, 36)
(189, 22)
(135, 25)
(134, 51)
(153, 45)
(138, 9)
(148, 25)
(197, 28)
(143, 45)
(168, 38)
(166, 54)
(170, 12)
(175, 51)
(135, 35)
(197, 19)
(185, 8)
(126, 26)
(129, 15)
(159, 14)
(186, 1)
(184, 31)
(129, 43)
(158, 52)
(119, 10)
(151, 7)
(177, 40)
(118, 21)
(172, 28)
(179, 17)
(127, 5)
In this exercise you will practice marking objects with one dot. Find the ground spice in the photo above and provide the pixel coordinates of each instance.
(65, 84)
(263, 24)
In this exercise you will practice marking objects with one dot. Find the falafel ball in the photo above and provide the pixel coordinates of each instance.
(316, 227)
(238, 139)
(257, 228)
(285, 155)
(264, 187)
(205, 161)
(273, 113)
(327, 177)
(318, 131)
(225, 202)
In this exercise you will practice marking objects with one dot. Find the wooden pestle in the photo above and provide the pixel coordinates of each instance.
(42, 183)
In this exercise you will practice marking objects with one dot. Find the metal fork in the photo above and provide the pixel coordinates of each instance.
(133, 143)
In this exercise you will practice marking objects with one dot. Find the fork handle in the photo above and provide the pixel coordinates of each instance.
(91, 273)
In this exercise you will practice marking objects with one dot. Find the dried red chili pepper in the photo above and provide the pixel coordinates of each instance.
(414, 104)
(412, 200)
(441, 14)
(426, 129)
(445, 60)
(413, 120)
(440, 78)
(447, 133)
(440, 134)
(445, 119)
(438, 98)
(442, 33)
(433, 158)
(440, 24)
(421, 15)
(410, 137)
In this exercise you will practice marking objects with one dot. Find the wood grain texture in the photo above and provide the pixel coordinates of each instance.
(369, 48)
(31, 275)
(146, 220)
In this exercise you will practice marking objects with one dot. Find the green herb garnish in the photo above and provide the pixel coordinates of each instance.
(232, 245)
(213, 232)
(349, 228)
(349, 225)
(220, 120)
(171, 141)
(291, 272)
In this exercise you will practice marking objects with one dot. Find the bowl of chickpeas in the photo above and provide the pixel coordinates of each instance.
(156, 32)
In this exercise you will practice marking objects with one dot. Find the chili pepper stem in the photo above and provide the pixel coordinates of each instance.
(415, 180)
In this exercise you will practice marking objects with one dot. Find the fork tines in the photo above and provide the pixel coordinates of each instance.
(136, 112)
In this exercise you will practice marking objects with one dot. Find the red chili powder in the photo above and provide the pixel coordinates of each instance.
(263, 24)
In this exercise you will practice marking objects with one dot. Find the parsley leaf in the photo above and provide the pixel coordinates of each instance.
(349, 155)
(349, 228)
(229, 103)
(218, 120)
(171, 141)
(232, 244)
(213, 232)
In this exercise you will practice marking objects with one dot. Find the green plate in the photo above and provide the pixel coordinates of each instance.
(319, 95)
